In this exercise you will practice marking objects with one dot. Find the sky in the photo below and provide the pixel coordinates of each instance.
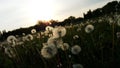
(15, 14)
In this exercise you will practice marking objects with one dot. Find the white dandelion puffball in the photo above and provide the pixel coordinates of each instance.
(48, 51)
(77, 66)
(33, 31)
(23, 34)
(42, 33)
(11, 39)
(55, 41)
(89, 28)
(49, 28)
(65, 46)
(28, 37)
(75, 49)
(59, 32)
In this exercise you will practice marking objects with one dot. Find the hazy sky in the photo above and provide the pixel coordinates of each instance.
(24, 13)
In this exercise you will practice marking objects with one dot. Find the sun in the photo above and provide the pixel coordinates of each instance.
(40, 9)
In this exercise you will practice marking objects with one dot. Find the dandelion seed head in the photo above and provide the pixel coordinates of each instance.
(11, 39)
(59, 32)
(69, 56)
(65, 46)
(79, 29)
(23, 34)
(77, 66)
(76, 49)
(49, 28)
(89, 28)
(48, 51)
(42, 33)
(33, 31)
(38, 35)
(55, 41)
(28, 37)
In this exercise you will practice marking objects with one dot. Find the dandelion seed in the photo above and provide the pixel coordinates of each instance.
(89, 28)
(48, 51)
(77, 66)
(33, 31)
(65, 46)
(59, 32)
(75, 49)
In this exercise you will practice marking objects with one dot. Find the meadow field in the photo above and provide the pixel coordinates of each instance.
(93, 43)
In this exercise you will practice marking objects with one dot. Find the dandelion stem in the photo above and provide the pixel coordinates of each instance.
(113, 40)
(45, 65)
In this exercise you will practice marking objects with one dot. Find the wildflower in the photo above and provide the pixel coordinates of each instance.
(77, 66)
(75, 36)
(59, 32)
(42, 33)
(23, 34)
(89, 28)
(49, 28)
(118, 34)
(69, 56)
(38, 35)
(59, 65)
(12, 39)
(50, 35)
(29, 37)
(48, 51)
(33, 31)
(78, 29)
(44, 44)
(75, 49)
(46, 32)
(55, 41)
(65, 46)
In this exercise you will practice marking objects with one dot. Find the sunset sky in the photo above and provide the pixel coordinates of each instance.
(24, 13)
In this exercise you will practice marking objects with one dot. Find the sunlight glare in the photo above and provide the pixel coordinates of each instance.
(40, 9)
